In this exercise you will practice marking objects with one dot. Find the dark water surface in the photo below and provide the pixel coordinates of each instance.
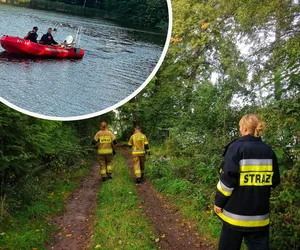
(117, 61)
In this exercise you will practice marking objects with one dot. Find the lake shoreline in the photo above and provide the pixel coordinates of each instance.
(78, 11)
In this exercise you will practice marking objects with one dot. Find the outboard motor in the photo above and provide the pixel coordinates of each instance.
(69, 42)
(77, 50)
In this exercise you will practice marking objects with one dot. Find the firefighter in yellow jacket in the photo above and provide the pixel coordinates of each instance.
(106, 140)
(139, 143)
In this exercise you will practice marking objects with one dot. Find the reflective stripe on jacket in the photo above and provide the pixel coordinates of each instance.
(105, 139)
(248, 173)
(138, 141)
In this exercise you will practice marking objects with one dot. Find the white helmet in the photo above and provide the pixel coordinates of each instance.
(69, 40)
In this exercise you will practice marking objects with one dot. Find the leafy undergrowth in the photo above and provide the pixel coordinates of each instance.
(119, 222)
(190, 197)
(30, 227)
(190, 185)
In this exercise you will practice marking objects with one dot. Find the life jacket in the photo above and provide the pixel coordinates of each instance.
(27, 34)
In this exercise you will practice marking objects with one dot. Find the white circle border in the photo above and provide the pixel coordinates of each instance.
(115, 106)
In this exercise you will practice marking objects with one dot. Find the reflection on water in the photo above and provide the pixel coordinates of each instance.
(117, 61)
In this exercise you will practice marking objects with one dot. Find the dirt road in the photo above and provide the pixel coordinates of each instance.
(76, 223)
(170, 230)
(174, 232)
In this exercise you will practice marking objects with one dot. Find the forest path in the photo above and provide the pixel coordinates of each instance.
(76, 223)
(174, 232)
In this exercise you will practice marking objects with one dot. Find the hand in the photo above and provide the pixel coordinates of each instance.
(218, 209)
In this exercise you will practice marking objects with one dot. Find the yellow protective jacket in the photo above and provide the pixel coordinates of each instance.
(106, 141)
(139, 143)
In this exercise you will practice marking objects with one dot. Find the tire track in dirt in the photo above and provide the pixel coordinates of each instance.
(76, 223)
(174, 233)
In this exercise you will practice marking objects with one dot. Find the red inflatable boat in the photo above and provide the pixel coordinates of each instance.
(20, 46)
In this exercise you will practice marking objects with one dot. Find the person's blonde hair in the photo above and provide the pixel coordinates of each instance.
(253, 124)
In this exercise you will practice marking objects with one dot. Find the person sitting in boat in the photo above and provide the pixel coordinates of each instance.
(32, 35)
(47, 39)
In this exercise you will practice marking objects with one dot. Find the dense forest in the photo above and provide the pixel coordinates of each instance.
(226, 59)
(148, 13)
(31, 148)
(41, 162)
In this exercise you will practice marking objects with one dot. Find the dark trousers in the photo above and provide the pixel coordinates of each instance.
(232, 239)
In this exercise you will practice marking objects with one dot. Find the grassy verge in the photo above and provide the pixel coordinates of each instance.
(29, 228)
(190, 183)
(119, 222)
(190, 186)
(190, 191)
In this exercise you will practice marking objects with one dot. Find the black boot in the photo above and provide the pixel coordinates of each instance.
(109, 176)
(104, 179)
(138, 180)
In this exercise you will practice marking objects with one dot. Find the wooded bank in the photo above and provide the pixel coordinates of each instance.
(150, 13)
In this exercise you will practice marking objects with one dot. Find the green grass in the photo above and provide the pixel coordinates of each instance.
(29, 227)
(119, 222)
(192, 199)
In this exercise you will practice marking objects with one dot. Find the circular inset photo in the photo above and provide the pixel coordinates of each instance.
(71, 60)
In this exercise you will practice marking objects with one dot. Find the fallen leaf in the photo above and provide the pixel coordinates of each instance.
(176, 40)
(157, 240)
(204, 26)
(120, 242)
(34, 249)
(68, 235)
(2, 233)
(98, 246)
(163, 236)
